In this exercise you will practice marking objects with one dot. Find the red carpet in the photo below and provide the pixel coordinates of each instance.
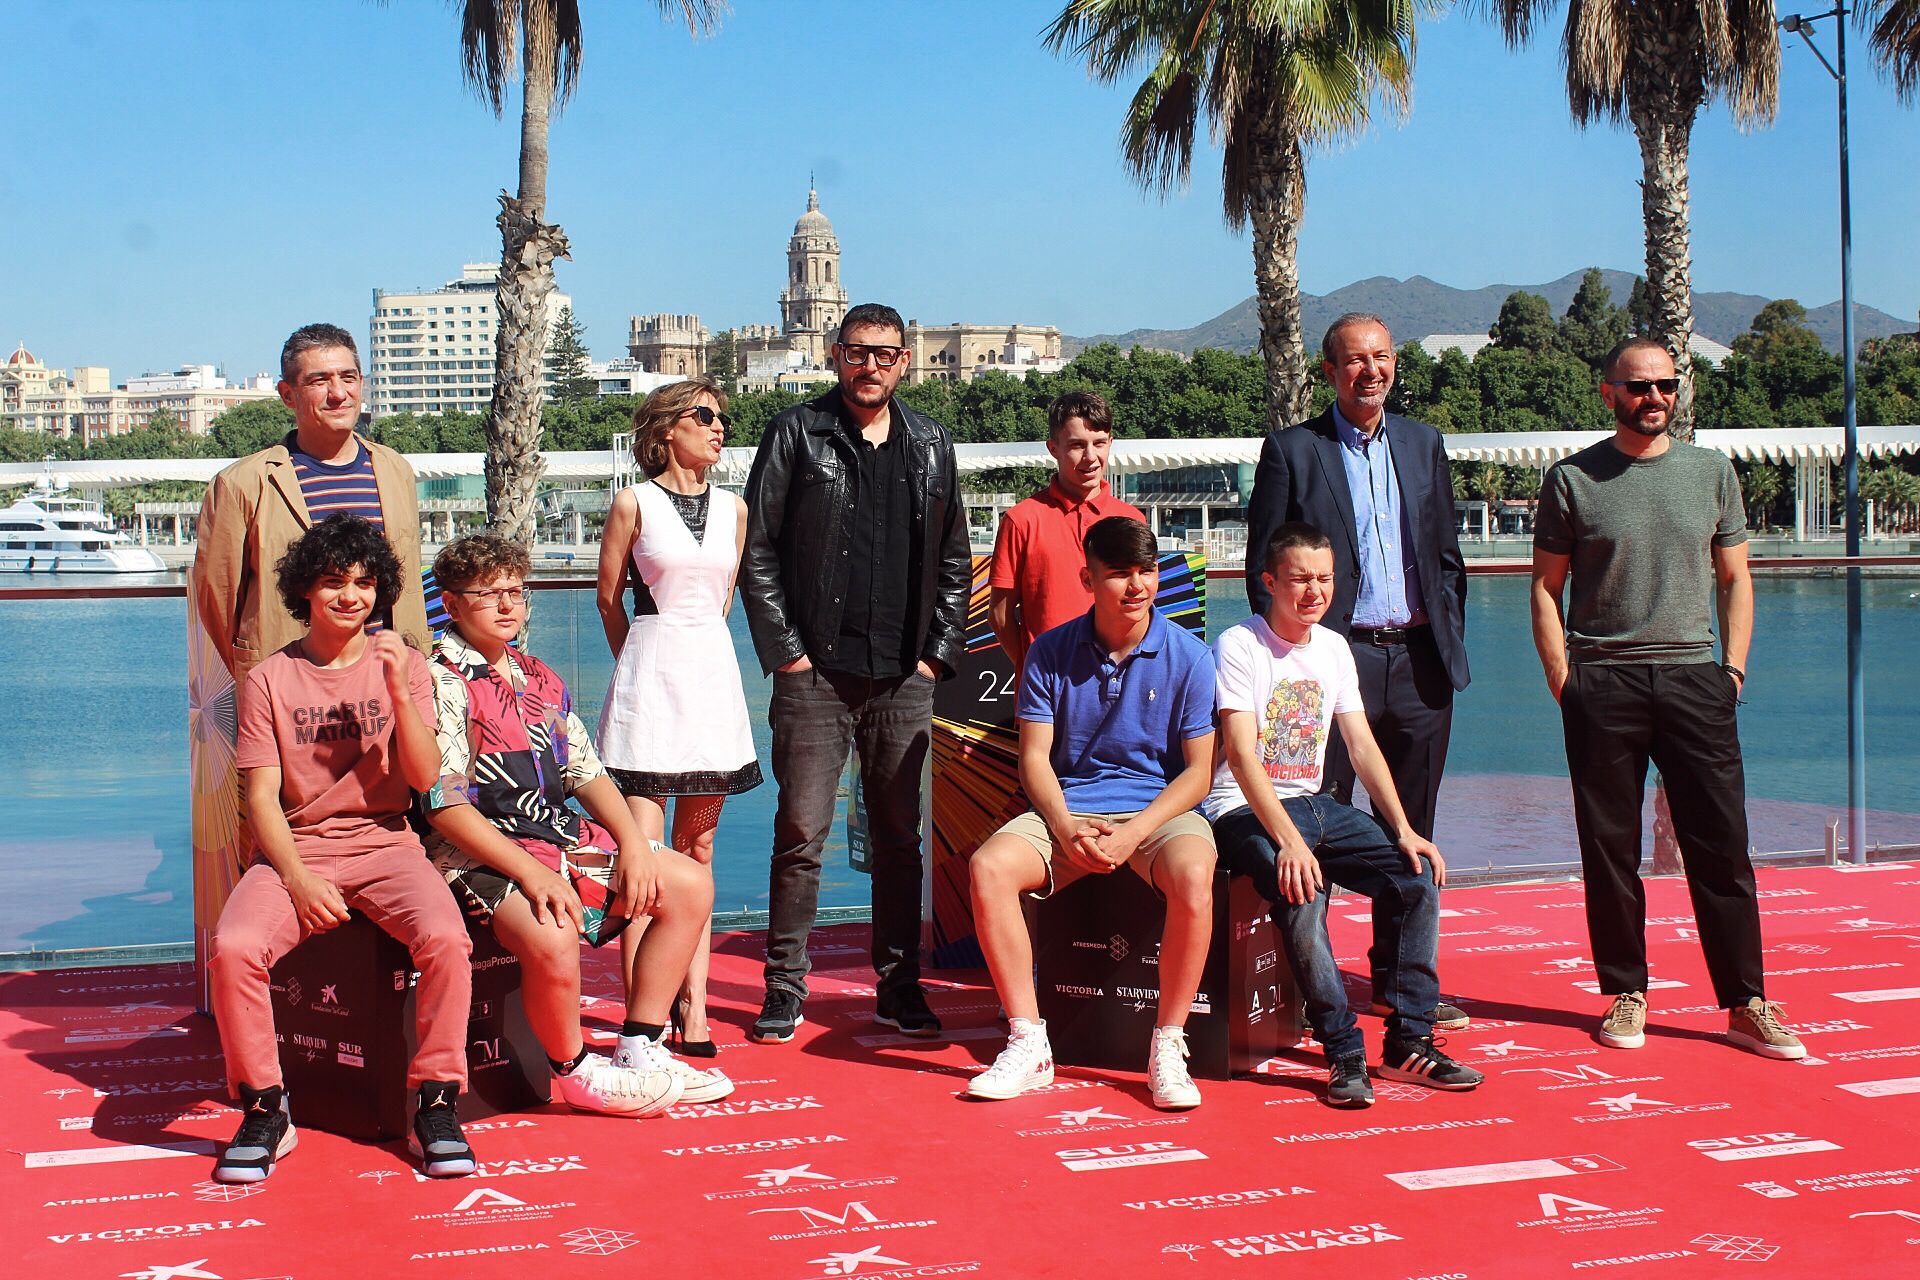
(847, 1152)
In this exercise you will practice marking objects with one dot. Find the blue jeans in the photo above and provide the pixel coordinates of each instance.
(1353, 852)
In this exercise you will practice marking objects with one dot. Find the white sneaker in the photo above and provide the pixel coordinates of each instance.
(597, 1085)
(1173, 1088)
(652, 1055)
(1026, 1063)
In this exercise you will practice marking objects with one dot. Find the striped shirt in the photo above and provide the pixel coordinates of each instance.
(331, 488)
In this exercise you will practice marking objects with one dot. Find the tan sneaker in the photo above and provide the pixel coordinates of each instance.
(1625, 1026)
(1755, 1026)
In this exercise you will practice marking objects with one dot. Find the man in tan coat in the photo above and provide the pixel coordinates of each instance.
(259, 505)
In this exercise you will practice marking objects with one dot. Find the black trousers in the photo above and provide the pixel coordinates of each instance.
(1409, 703)
(1617, 718)
(816, 715)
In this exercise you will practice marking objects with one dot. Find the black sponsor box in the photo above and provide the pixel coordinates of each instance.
(1096, 958)
(343, 1006)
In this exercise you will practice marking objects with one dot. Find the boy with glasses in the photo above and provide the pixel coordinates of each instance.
(511, 754)
(332, 734)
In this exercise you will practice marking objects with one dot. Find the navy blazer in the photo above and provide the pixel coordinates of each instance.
(1302, 477)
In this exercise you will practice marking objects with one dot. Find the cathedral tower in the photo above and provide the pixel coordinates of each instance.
(814, 300)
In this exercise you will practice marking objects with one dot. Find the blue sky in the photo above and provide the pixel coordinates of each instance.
(189, 182)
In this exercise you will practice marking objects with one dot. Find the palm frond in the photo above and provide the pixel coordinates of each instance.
(1157, 135)
(550, 38)
(1596, 48)
(1517, 19)
(1750, 77)
(1895, 39)
(489, 43)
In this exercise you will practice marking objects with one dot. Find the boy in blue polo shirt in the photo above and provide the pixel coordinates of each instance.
(1116, 750)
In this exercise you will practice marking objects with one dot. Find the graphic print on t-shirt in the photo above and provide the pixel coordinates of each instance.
(340, 721)
(1294, 727)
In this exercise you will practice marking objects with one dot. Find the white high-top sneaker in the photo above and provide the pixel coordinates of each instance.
(597, 1085)
(1026, 1063)
(652, 1055)
(1173, 1088)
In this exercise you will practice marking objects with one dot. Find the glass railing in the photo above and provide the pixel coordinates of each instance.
(96, 849)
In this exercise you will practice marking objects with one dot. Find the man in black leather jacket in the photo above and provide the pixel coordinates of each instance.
(855, 577)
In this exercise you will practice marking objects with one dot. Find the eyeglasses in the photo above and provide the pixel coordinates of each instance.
(1646, 386)
(515, 596)
(706, 416)
(885, 357)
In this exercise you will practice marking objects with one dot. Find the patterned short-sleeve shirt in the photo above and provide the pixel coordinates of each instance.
(513, 748)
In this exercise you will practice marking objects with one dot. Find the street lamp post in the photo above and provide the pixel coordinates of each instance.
(1802, 26)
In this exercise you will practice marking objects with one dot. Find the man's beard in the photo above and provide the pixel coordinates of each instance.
(864, 393)
(1638, 424)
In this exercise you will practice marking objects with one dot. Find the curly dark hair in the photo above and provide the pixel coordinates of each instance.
(336, 545)
(480, 557)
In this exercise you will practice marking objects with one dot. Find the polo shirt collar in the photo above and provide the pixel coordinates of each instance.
(1093, 501)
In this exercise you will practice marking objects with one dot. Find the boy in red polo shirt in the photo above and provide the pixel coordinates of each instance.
(1037, 557)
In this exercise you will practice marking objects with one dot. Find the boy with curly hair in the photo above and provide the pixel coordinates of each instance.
(333, 731)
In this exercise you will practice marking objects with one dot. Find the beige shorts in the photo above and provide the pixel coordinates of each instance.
(1063, 871)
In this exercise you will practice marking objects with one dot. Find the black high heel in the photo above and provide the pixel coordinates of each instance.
(677, 1024)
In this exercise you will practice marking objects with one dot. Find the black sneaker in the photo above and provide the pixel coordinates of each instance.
(1347, 1083)
(437, 1141)
(779, 1015)
(906, 1011)
(1421, 1062)
(266, 1134)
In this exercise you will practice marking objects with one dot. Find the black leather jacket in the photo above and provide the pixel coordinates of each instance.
(793, 574)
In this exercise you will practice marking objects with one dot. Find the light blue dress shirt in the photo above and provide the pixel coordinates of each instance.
(1389, 579)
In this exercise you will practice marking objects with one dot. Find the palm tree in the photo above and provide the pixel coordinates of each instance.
(1895, 40)
(1656, 63)
(1763, 487)
(1272, 76)
(540, 40)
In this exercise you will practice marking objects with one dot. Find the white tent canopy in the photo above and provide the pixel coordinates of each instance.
(1526, 448)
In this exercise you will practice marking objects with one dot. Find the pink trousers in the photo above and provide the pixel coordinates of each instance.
(399, 890)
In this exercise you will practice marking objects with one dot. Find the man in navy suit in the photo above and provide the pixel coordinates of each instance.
(1378, 484)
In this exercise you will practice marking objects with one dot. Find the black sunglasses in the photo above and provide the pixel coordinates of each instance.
(1644, 386)
(706, 416)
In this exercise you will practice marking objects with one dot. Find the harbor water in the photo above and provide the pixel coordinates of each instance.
(95, 847)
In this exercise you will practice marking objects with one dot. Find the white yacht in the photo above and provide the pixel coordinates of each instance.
(49, 530)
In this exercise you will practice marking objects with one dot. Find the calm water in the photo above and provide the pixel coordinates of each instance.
(94, 848)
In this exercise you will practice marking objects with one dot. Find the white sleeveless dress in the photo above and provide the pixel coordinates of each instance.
(675, 720)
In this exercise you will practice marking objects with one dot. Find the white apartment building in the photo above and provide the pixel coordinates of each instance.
(86, 406)
(432, 350)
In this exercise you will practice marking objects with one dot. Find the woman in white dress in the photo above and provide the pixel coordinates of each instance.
(675, 721)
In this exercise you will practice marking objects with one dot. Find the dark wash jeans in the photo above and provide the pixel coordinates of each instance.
(1354, 852)
(1617, 718)
(815, 715)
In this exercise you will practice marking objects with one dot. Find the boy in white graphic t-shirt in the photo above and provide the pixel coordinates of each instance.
(1284, 682)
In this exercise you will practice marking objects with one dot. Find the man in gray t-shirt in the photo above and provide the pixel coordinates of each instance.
(1653, 534)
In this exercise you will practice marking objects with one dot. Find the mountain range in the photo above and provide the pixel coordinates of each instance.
(1418, 307)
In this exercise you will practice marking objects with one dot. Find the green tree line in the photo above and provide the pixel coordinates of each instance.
(1539, 374)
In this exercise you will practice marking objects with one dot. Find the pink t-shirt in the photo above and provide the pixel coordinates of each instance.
(330, 731)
